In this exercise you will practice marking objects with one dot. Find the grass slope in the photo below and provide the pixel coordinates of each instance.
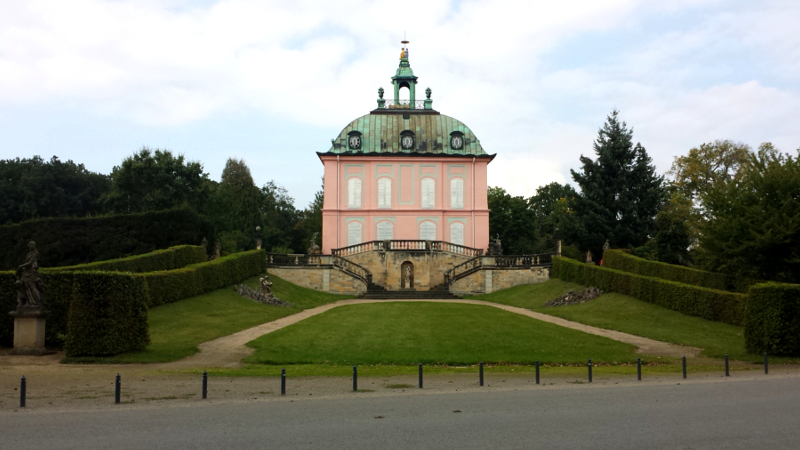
(177, 328)
(627, 314)
(431, 333)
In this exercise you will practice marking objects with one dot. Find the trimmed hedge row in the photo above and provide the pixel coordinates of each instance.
(168, 259)
(89, 313)
(71, 241)
(772, 323)
(624, 261)
(107, 314)
(95, 313)
(711, 304)
(172, 285)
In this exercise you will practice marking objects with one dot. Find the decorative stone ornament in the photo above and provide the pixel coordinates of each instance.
(29, 317)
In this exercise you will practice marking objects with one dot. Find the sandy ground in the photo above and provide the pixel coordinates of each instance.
(56, 387)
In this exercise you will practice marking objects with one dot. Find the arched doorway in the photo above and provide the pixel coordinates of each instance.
(407, 275)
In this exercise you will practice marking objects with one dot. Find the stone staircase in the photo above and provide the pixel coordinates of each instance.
(378, 292)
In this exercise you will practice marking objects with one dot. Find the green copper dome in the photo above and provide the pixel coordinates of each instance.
(432, 134)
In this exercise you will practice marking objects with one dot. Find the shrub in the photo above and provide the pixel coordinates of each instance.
(71, 241)
(168, 259)
(772, 322)
(172, 285)
(621, 260)
(711, 304)
(107, 314)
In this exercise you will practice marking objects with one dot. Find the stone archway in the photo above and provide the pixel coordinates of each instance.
(407, 275)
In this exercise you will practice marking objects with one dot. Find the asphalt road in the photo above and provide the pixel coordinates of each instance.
(756, 414)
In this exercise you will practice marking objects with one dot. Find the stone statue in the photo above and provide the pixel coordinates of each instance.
(606, 246)
(217, 248)
(30, 290)
(314, 249)
(408, 277)
(495, 247)
(380, 92)
(428, 92)
(266, 286)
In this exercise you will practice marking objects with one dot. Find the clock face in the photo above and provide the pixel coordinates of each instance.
(407, 142)
(355, 142)
(456, 142)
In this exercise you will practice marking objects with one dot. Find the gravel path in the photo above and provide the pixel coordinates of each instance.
(228, 351)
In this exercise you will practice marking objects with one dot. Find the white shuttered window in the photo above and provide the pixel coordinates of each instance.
(353, 233)
(385, 231)
(428, 193)
(427, 231)
(354, 193)
(457, 233)
(457, 193)
(384, 193)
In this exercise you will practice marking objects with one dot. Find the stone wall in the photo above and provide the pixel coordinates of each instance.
(488, 280)
(321, 278)
(429, 267)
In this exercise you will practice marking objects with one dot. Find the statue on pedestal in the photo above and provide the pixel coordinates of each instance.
(30, 291)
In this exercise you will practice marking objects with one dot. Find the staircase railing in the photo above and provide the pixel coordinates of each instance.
(407, 245)
(473, 265)
(460, 271)
(353, 269)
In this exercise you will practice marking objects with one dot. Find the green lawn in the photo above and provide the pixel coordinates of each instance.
(431, 333)
(624, 313)
(177, 328)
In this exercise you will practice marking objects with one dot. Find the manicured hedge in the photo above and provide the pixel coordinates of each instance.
(711, 304)
(71, 241)
(73, 300)
(107, 314)
(772, 324)
(172, 285)
(621, 260)
(168, 259)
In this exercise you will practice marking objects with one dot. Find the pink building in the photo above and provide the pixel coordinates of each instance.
(405, 172)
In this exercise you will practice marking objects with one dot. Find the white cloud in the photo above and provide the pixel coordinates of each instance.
(712, 70)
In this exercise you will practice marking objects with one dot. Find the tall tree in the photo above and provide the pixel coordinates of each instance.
(620, 191)
(754, 219)
(282, 220)
(34, 188)
(154, 180)
(237, 204)
(513, 221)
(551, 208)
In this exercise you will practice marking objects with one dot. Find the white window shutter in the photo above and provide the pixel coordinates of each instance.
(457, 233)
(428, 193)
(384, 231)
(456, 193)
(354, 233)
(427, 231)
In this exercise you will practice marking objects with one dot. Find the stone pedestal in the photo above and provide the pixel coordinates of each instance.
(29, 331)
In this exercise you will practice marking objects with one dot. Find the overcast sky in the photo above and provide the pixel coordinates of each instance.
(274, 82)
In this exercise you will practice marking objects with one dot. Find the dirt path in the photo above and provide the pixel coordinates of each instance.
(228, 351)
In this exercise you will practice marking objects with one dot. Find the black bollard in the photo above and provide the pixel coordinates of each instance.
(22, 388)
(639, 369)
(766, 364)
(205, 384)
(355, 379)
(481, 372)
(727, 371)
(684, 367)
(537, 371)
(420, 375)
(589, 365)
(283, 381)
(117, 388)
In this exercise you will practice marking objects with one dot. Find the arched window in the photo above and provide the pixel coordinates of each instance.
(457, 233)
(384, 193)
(354, 193)
(353, 233)
(385, 230)
(457, 193)
(427, 231)
(428, 193)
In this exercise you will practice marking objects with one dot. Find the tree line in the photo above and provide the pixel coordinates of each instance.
(151, 180)
(722, 207)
